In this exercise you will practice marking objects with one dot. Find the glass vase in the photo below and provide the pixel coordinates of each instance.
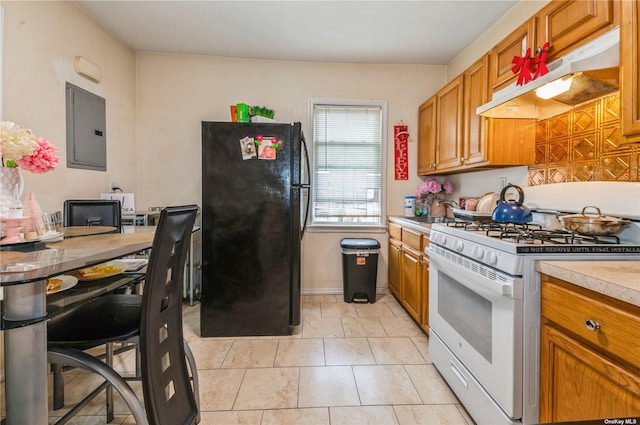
(11, 185)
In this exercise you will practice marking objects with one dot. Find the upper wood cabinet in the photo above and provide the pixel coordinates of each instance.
(476, 93)
(510, 142)
(427, 136)
(629, 69)
(564, 24)
(569, 24)
(449, 122)
(515, 44)
(453, 138)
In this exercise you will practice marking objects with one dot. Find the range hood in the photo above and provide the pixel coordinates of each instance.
(595, 72)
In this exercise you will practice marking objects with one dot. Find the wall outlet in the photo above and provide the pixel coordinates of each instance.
(112, 185)
(503, 182)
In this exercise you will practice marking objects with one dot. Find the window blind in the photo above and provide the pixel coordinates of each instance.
(347, 158)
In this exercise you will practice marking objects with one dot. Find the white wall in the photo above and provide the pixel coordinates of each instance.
(176, 92)
(41, 41)
(39, 44)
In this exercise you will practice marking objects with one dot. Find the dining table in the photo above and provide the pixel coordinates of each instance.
(24, 309)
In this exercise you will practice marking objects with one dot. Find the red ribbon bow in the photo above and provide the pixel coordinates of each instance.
(539, 61)
(521, 66)
(531, 68)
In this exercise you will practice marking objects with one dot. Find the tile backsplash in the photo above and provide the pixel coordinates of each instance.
(583, 145)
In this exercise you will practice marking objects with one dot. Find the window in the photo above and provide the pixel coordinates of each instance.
(348, 162)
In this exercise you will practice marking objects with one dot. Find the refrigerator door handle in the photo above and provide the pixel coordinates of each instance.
(306, 158)
(306, 186)
(306, 215)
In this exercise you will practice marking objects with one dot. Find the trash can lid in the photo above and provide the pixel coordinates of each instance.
(363, 243)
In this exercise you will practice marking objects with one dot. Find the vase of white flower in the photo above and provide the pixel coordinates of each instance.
(20, 149)
(11, 185)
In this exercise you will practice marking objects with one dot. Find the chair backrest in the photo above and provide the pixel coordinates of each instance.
(168, 396)
(93, 212)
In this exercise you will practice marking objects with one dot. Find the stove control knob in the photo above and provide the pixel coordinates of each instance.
(459, 246)
(492, 258)
(443, 240)
(435, 237)
(478, 252)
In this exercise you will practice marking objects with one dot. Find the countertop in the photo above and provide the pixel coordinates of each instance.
(413, 223)
(617, 279)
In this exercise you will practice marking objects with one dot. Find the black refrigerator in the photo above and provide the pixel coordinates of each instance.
(254, 212)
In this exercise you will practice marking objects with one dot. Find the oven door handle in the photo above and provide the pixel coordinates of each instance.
(463, 275)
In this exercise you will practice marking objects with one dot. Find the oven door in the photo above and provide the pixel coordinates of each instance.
(477, 313)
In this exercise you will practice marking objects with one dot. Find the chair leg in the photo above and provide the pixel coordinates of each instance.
(77, 358)
(109, 389)
(194, 376)
(58, 386)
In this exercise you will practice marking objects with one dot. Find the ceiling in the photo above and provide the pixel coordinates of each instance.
(391, 32)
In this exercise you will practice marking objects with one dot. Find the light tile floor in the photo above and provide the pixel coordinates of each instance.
(346, 364)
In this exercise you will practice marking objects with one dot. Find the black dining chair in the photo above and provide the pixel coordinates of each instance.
(153, 320)
(93, 212)
(87, 212)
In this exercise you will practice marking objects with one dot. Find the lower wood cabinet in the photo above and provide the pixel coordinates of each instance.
(408, 278)
(412, 284)
(590, 361)
(395, 271)
(424, 277)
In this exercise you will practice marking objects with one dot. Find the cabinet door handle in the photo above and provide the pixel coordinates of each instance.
(592, 325)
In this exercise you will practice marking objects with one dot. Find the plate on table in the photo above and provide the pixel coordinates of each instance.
(60, 283)
(101, 271)
(134, 264)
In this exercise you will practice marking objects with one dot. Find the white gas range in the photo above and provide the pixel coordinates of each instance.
(484, 308)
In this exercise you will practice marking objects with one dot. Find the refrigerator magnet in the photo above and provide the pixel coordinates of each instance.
(267, 147)
(248, 148)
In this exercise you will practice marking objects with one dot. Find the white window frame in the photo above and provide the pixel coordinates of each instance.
(350, 227)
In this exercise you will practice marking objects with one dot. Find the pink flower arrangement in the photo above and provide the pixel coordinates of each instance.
(43, 159)
(19, 147)
(433, 187)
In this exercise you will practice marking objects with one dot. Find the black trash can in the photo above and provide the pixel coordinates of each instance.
(359, 269)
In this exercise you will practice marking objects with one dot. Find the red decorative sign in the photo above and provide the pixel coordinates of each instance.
(401, 151)
(531, 68)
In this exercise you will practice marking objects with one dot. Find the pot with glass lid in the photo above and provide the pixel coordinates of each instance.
(592, 224)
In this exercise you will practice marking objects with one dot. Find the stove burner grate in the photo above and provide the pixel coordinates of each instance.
(530, 233)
